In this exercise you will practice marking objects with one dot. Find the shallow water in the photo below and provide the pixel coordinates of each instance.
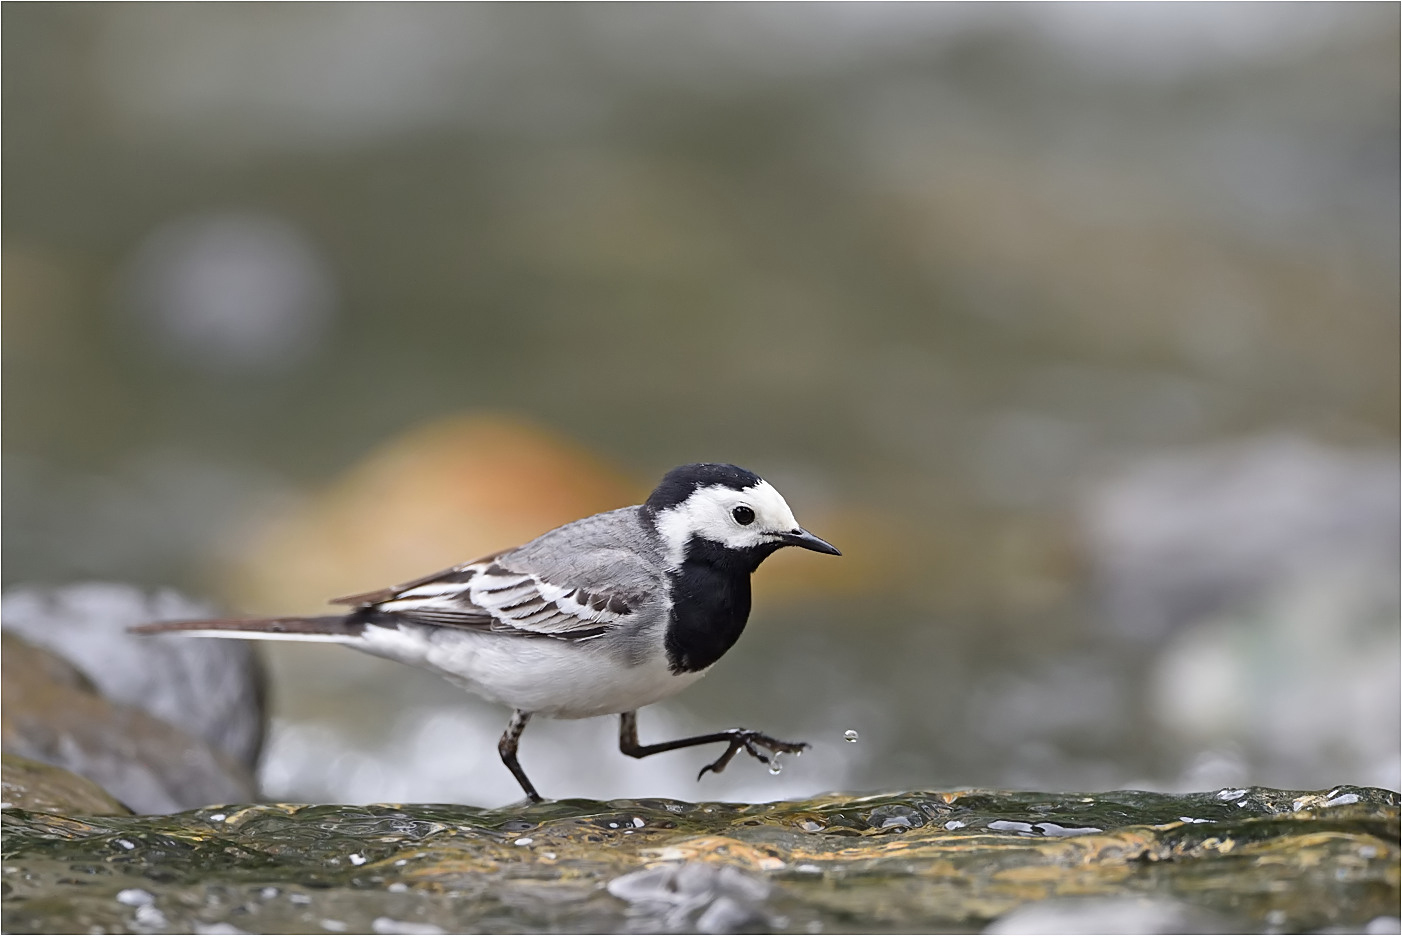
(1254, 859)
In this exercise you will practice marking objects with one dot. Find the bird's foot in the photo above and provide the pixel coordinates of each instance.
(753, 743)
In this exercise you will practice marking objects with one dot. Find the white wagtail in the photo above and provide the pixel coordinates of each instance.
(600, 616)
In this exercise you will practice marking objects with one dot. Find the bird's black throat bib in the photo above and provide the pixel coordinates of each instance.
(710, 602)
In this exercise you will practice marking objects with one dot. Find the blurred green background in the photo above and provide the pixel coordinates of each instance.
(1081, 321)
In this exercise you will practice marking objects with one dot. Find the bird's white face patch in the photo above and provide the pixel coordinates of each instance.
(710, 513)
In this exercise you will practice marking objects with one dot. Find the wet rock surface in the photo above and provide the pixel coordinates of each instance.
(1251, 859)
(54, 714)
(27, 784)
(213, 689)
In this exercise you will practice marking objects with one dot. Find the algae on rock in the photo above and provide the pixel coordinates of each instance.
(1257, 858)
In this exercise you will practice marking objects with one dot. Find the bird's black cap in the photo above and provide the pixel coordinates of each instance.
(679, 483)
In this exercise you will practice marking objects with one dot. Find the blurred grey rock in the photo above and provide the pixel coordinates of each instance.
(1109, 915)
(1180, 537)
(52, 714)
(231, 293)
(213, 689)
(1264, 576)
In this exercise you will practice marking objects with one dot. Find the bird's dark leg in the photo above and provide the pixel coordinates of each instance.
(506, 747)
(737, 738)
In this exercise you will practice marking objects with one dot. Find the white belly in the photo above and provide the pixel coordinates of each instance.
(537, 675)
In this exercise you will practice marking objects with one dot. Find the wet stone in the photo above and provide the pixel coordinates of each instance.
(211, 689)
(27, 784)
(895, 816)
(53, 713)
(1285, 861)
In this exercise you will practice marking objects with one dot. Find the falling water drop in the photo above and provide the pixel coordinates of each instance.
(774, 766)
(850, 736)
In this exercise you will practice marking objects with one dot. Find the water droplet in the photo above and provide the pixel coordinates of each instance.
(849, 736)
(774, 766)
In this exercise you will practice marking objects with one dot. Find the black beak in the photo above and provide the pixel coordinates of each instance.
(808, 541)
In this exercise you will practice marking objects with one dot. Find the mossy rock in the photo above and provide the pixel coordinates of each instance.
(1235, 860)
(37, 787)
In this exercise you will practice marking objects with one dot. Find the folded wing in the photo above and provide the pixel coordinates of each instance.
(488, 596)
(575, 582)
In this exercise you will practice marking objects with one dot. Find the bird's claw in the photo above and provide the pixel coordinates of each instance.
(751, 742)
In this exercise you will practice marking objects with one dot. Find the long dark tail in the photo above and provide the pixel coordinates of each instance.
(336, 628)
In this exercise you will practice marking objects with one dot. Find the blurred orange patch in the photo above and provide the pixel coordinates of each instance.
(442, 493)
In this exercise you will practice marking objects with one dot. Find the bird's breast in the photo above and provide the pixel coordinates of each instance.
(710, 605)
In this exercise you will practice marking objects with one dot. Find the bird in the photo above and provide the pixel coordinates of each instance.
(601, 616)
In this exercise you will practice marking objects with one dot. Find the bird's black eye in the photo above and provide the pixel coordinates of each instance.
(743, 515)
